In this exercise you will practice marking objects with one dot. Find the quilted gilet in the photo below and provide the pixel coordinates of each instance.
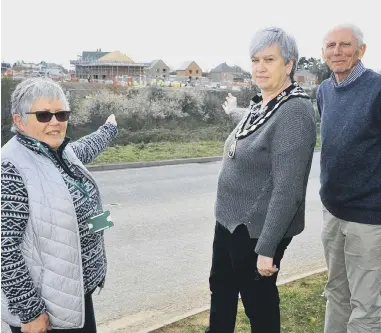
(51, 244)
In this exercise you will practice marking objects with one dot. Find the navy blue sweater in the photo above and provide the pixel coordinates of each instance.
(351, 148)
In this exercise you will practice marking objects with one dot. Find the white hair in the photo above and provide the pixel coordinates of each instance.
(357, 33)
(29, 90)
(273, 35)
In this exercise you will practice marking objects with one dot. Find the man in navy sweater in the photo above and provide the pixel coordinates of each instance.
(350, 107)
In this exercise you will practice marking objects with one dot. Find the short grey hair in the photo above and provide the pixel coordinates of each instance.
(273, 35)
(357, 33)
(29, 90)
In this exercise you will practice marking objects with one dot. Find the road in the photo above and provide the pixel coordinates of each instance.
(159, 251)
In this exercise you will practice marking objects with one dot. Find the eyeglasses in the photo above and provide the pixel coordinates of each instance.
(46, 116)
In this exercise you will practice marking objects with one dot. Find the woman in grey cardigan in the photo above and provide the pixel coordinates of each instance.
(52, 249)
(261, 191)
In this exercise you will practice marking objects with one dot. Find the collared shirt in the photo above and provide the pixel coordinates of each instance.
(357, 71)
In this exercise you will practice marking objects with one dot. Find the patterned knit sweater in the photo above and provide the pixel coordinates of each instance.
(16, 282)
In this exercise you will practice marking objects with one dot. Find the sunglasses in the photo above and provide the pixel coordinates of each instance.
(46, 116)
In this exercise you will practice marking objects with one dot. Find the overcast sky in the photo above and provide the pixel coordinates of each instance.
(206, 31)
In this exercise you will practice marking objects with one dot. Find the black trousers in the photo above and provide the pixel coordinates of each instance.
(90, 324)
(234, 270)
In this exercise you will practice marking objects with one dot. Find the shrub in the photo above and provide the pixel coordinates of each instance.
(143, 115)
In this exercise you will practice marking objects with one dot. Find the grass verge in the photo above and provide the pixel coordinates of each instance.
(162, 151)
(302, 310)
(159, 151)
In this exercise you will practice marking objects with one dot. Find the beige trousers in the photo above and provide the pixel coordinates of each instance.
(353, 291)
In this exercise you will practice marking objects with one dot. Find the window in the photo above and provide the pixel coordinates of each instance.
(196, 71)
(158, 70)
(190, 71)
(164, 70)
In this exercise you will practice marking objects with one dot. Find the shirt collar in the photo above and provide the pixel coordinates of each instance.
(357, 71)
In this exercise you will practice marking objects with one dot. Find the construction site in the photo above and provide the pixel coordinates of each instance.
(108, 66)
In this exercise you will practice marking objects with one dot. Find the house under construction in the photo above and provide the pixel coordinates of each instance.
(100, 65)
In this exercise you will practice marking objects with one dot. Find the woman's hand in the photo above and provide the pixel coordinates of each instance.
(111, 120)
(39, 325)
(230, 104)
(265, 266)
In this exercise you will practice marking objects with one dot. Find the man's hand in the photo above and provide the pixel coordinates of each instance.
(39, 325)
(265, 266)
(111, 120)
(230, 104)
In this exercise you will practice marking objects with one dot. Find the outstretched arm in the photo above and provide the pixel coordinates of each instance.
(90, 146)
(230, 107)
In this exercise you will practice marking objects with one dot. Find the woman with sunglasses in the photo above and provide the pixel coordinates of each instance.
(52, 260)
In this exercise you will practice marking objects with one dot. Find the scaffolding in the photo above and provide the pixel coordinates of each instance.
(108, 70)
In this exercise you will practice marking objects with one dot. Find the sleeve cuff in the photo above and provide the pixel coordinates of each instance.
(265, 249)
(32, 314)
(110, 129)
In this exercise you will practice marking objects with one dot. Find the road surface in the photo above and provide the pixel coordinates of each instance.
(159, 251)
